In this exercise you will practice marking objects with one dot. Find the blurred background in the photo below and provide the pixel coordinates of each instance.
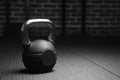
(71, 17)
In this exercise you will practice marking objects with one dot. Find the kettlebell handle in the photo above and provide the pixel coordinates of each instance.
(25, 27)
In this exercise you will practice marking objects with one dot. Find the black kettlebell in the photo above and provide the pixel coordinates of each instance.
(38, 55)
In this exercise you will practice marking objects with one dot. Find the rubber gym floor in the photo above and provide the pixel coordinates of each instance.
(77, 59)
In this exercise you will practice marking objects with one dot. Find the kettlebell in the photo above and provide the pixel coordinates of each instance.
(39, 55)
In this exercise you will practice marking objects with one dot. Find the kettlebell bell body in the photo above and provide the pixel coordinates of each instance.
(38, 55)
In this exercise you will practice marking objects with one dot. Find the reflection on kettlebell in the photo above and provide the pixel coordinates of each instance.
(38, 55)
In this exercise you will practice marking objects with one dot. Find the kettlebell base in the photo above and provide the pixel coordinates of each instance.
(37, 62)
(38, 68)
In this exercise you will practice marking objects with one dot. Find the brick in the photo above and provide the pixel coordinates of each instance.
(79, 1)
(93, 14)
(59, 5)
(41, 1)
(105, 15)
(14, 1)
(15, 9)
(19, 14)
(55, 1)
(71, 10)
(96, 1)
(71, 1)
(18, 5)
(115, 23)
(70, 19)
(56, 10)
(109, 19)
(56, 19)
(79, 19)
(47, 14)
(43, 10)
(90, 23)
(109, 1)
(76, 14)
(2, 13)
(76, 6)
(102, 23)
(75, 23)
(68, 6)
(2, 4)
(36, 14)
(49, 6)
(104, 6)
(58, 14)
(96, 19)
(116, 15)
(36, 5)
(99, 10)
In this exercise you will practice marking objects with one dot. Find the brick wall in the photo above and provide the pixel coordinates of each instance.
(38, 9)
(103, 17)
(2, 17)
(50, 9)
(73, 16)
(17, 11)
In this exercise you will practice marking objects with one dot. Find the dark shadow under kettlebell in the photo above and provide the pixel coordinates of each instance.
(26, 71)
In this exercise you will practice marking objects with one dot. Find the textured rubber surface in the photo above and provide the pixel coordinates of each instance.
(69, 66)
